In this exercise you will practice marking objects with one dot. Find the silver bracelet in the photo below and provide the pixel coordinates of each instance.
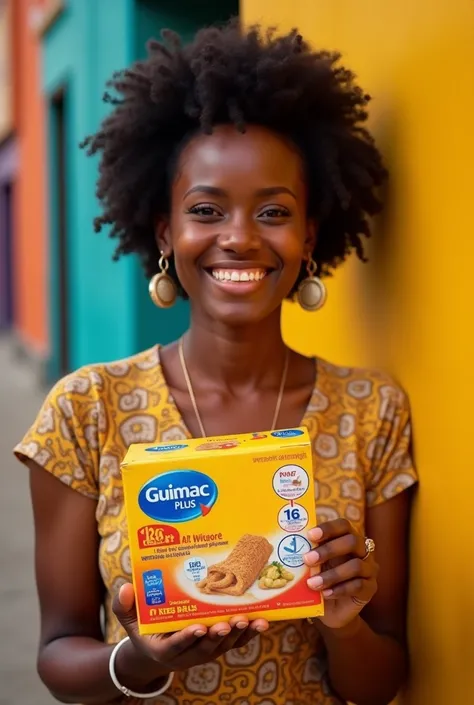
(126, 691)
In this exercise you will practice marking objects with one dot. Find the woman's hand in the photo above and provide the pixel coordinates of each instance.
(189, 647)
(348, 577)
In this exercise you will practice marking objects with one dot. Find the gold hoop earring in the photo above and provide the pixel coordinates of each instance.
(162, 288)
(311, 292)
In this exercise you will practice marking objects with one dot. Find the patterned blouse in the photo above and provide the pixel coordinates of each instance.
(359, 423)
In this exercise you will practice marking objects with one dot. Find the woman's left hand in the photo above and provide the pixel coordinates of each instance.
(348, 577)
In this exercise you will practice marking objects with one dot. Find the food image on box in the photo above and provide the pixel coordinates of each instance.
(274, 576)
(240, 569)
(218, 527)
(218, 445)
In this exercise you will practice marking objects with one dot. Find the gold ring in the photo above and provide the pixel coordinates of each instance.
(369, 548)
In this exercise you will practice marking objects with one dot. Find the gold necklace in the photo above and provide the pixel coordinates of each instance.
(193, 398)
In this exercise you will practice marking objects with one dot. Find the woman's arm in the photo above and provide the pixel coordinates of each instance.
(368, 659)
(73, 661)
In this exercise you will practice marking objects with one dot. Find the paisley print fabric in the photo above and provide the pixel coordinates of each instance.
(359, 423)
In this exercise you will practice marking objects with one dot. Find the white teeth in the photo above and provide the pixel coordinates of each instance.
(238, 275)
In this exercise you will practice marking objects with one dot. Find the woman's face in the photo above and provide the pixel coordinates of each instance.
(238, 228)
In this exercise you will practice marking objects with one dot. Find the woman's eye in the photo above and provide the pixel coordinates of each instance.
(204, 211)
(275, 212)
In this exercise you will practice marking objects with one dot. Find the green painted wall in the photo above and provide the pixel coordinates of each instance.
(89, 41)
(109, 311)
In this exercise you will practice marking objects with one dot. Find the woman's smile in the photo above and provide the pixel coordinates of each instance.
(240, 278)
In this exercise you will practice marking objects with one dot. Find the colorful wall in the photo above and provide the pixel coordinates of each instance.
(8, 176)
(30, 233)
(6, 69)
(90, 298)
(413, 310)
(8, 165)
(100, 310)
(184, 17)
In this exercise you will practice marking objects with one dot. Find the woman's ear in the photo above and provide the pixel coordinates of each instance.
(311, 237)
(163, 236)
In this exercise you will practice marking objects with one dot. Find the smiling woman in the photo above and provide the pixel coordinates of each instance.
(240, 171)
(238, 219)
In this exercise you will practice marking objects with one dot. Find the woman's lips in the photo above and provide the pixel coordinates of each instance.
(238, 281)
(238, 275)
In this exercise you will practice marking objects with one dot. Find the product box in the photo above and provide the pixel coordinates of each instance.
(218, 527)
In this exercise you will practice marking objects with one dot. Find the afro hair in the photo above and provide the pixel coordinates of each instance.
(238, 76)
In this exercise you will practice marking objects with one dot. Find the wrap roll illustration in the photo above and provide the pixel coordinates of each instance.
(215, 445)
(241, 568)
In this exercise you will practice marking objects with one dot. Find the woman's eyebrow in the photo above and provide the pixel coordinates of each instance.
(216, 191)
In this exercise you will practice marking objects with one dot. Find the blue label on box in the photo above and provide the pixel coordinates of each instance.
(154, 588)
(178, 496)
(287, 433)
(166, 449)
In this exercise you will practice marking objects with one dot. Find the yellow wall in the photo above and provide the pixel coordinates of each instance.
(411, 310)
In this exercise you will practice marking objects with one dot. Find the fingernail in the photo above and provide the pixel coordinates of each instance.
(316, 582)
(315, 534)
(224, 632)
(311, 558)
(242, 625)
(199, 632)
(261, 629)
(327, 593)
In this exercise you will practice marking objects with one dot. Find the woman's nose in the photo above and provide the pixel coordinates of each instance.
(239, 239)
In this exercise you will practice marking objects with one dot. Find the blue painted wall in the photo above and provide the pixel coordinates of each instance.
(109, 311)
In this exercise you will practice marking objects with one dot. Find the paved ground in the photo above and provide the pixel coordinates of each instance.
(19, 401)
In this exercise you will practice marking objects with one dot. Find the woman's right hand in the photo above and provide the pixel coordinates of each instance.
(189, 647)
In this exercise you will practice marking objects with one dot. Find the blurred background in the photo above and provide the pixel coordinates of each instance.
(64, 303)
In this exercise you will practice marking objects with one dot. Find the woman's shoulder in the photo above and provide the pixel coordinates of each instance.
(72, 427)
(365, 426)
(90, 380)
(359, 383)
(83, 400)
(131, 366)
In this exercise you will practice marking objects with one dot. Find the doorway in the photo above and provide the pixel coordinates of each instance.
(6, 255)
(59, 297)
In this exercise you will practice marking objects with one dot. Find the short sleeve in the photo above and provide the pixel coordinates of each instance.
(64, 436)
(390, 466)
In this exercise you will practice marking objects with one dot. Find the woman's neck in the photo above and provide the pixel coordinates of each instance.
(235, 357)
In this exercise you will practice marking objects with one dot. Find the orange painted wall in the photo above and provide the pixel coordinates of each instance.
(30, 245)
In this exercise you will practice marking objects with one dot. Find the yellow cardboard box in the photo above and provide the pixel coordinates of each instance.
(218, 527)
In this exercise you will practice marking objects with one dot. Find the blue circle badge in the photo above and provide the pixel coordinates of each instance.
(166, 449)
(288, 433)
(291, 550)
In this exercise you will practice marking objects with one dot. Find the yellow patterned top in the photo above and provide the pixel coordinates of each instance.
(359, 423)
